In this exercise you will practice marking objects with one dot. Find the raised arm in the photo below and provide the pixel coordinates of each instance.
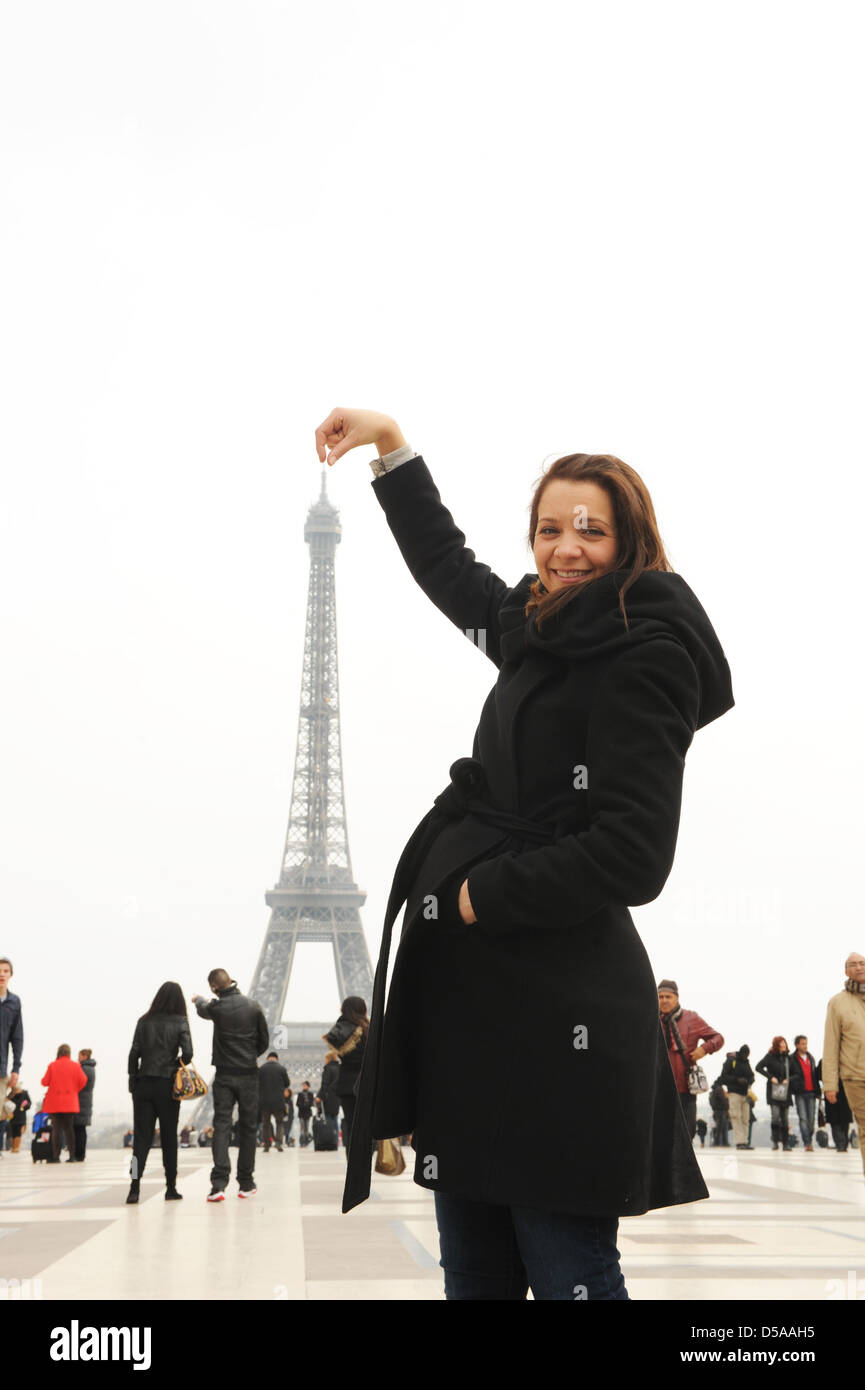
(432, 545)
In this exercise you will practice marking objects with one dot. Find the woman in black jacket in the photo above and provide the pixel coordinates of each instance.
(347, 1037)
(776, 1067)
(517, 883)
(162, 1040)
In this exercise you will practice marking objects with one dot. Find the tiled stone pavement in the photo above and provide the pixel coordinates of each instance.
(777, 1226)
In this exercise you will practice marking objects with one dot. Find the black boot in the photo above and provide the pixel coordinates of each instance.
(172, 1194)
(133, 1192)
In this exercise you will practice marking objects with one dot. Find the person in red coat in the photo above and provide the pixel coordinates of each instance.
(64, 1079)
(688, 1038)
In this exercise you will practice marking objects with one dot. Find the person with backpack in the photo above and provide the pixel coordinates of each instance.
(737, 1076)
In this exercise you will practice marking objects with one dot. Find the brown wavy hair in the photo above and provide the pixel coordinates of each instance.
(776, 1045)
(639, 541)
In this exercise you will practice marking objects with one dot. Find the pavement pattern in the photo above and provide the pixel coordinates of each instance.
(787, 1226)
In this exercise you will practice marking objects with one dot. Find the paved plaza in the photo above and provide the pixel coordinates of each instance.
(778, 1226)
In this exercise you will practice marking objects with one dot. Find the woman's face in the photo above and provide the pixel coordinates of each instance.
(575, 539)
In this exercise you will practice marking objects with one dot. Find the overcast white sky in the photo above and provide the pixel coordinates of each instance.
(520, 230)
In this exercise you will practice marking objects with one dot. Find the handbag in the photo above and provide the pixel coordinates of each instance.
(388, 1158)
(188, 1085)
(698, 1082)
(778, 1090)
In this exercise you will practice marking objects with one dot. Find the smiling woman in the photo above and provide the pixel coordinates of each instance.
(517, 936)
(597, 516)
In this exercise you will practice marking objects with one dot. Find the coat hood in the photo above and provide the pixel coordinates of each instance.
(658, 604)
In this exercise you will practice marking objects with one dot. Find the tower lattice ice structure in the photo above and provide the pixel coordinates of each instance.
(316, 897)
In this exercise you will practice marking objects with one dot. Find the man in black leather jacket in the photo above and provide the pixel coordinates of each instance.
(240, 1035)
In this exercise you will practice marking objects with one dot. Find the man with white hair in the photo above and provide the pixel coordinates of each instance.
(844, 1044)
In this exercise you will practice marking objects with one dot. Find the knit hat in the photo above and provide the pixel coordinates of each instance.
(668, 984)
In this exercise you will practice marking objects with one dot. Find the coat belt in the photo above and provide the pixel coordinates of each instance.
(467, 794)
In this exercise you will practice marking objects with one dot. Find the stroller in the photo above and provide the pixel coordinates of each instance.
(40, 1147)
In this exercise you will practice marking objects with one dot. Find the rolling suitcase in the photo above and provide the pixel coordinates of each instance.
(323, 1137)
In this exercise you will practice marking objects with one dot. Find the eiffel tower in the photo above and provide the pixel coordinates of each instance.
(316, 897)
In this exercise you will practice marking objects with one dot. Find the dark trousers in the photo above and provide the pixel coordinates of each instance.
(152, 1101)
(61, 1128)
(689, 1110)
(274, 1113)
(230, 1088)
(491, 1252)
(780, 1125)
(80, 1143)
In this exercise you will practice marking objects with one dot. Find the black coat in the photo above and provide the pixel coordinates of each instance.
(553, 975)
(240, 1031)
(797, 1076)
(737, 1074)
(775, 1067)
(273, 1082)
(328, 1089)
(157, 1044)
(349, 1041)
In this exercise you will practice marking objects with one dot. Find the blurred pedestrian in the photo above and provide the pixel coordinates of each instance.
(64, 1079)
(274, 1085)
(160, 1043)
(775, 1066)
(240, 1035)
(85, 1103)
(18, 1119)
(11, 1037)
(805, 1089)
(720, 1108)
(844, 1044)
(328, 1092)
(737, 1076)
(688, 1038)
(347, 1037)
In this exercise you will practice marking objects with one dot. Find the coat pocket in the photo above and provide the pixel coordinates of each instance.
(435, 891)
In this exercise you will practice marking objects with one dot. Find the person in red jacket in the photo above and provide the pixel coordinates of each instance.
(688, 1038)
(64, 1079)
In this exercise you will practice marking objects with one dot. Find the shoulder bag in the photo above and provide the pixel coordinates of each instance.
(188, 1085)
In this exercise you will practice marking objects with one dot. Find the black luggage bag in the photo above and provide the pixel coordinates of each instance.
(323, 1136)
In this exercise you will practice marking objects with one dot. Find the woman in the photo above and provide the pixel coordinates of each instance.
(517, 883)
(776, 1067)
(65, 1080)
(160, 1042)
(347, 1038)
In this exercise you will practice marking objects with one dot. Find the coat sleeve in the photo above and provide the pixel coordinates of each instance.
(185, 1044)
(435, 550)
(707, 1037)
(204, 1007)
(81, 1078)
(763, 1068)
(17, 1040)
(831, 1048)
(263, 1032)
(641, 726)
(134, 1051)
(46, 1080)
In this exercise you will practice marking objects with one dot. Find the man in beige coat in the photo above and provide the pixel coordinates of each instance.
(844, 1044)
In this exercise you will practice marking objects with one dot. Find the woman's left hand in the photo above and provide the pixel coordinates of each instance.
(464, 903)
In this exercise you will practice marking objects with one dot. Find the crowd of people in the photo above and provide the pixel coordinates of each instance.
(829, 1093)
(826, 1094)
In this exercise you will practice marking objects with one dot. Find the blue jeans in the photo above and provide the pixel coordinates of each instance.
(491, 1252)
(805, 1104)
